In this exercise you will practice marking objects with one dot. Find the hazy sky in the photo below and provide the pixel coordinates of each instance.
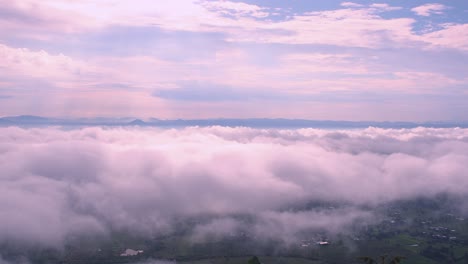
(362, 60)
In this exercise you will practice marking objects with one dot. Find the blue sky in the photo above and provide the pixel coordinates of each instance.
(338, 60)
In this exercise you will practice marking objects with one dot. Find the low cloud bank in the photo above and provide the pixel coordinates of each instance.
(57, 183)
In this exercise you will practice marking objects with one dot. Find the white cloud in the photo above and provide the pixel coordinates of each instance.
(236, 9)
(429, 9)
(22, 61)
(350, 4)
(56, 183)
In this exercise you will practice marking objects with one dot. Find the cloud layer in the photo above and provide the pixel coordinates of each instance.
(89, 182)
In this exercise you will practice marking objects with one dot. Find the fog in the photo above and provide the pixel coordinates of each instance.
(57, 183)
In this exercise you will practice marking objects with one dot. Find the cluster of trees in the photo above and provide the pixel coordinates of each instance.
(384, 259)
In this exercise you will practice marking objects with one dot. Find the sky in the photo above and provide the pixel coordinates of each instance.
(390, 60)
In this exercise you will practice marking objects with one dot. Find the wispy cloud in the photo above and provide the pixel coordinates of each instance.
(429, 9)
(350, 4)
(236, 9)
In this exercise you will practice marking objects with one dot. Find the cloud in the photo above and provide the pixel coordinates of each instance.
(350, 4)
(429, 9)
(237, 21)
(354, 25)
(22, 61)
(361, 27)
(22, 65)
(235, 9)
(453, 36)
(92, 181)
(385, 7)
(289, 225)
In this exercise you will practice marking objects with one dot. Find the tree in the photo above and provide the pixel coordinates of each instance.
(367, 260)
(396, 260)
(254, 260)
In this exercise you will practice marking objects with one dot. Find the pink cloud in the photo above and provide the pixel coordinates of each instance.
(453, 36)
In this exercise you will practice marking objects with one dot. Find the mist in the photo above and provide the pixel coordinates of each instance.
(56, 184)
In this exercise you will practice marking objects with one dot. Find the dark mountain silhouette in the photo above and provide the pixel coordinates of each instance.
(27, 120)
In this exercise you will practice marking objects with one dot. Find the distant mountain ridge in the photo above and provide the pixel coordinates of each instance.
(29, 120)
